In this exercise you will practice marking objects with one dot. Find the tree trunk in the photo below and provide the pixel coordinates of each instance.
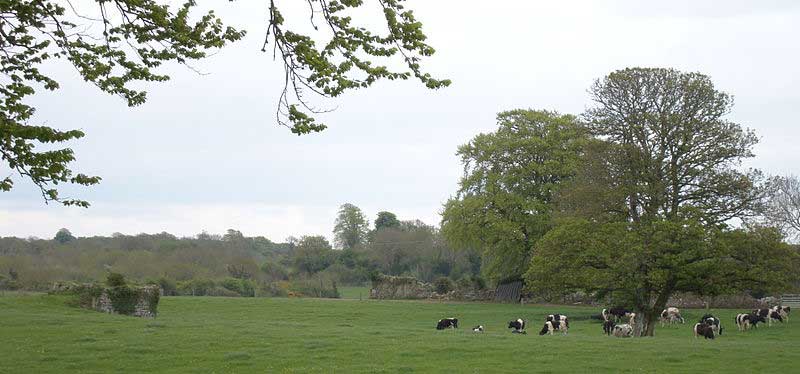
(650, 322)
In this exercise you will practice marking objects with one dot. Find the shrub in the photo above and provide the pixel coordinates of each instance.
(271, 289)
(221, 291)
(195, 287)
(315, 287)
(443, 285)
(115, 280)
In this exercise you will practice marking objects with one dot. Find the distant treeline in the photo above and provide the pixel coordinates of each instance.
(233, 264)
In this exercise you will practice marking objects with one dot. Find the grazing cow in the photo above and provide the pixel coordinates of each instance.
(447, 323)
(745, 321)
(783, 311)
(769, 315)
(608, 327)
(558, 317)
(670, 316)
(617, 314)
(623, 331)
(478, 328)
(518, 325)
(714, 322)
(551, 326)
(703, 329)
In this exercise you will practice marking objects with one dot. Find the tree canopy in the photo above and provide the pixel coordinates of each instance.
(386, 220)
(351, 227)
(782, 206)
(117, 45)
(504, 202)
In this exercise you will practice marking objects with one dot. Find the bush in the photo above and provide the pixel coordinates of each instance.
(271, 289)
(443, 285)
(167, 286)
(115, 280)
(243, 287)
(195, 287)
(316, 287)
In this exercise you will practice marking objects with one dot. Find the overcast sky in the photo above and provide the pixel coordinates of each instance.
(204, 153)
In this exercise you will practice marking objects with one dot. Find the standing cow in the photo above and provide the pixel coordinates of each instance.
(551, 326)
(712, 321)
(670, 316)
(703, 329)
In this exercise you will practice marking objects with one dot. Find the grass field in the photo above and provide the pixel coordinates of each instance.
(39, 334)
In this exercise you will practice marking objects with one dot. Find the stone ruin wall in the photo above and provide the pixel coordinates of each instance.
(142, 308)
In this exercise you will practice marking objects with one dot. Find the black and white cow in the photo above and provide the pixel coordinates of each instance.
(769, 315)
(745, 321)
(558, 317)
(518, 325)
(670, 316)
(608, 327)
(478, 328)
(703, 329)
(447, 323)
(712, 321)
(623, 331)
(618, 313)
(783, 311)
(551, 326)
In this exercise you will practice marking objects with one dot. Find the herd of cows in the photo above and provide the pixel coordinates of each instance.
(708, 327)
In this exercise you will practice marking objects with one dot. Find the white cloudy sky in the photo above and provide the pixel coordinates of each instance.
(205, 153)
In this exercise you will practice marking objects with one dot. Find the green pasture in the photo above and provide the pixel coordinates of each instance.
(40, 334)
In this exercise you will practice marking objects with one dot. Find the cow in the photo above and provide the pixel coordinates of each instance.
(745, 321)
(617, 314)
(670, 316)
(623, 331)
(783, 311)
(518, 325)
(558, 317)
(447, 323)
(608, 327)
(712, 321)
(703, 329)
(768, 315)
(551, 326)
(478, 328)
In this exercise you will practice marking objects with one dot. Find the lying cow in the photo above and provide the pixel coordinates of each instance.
(447, 323)
(518, 325)
(608, 327)
(745, 321)
(703, 329)
(478, 328)
(713, 322)
(623, 331)
(670, 316)
(551, 326)
(558, 317)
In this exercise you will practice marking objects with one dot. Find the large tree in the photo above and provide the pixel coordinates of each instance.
(118, 44)
(351, 227)
(675, 168)
(504, 202)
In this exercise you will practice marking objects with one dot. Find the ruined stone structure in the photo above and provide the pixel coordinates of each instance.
(144, 302)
